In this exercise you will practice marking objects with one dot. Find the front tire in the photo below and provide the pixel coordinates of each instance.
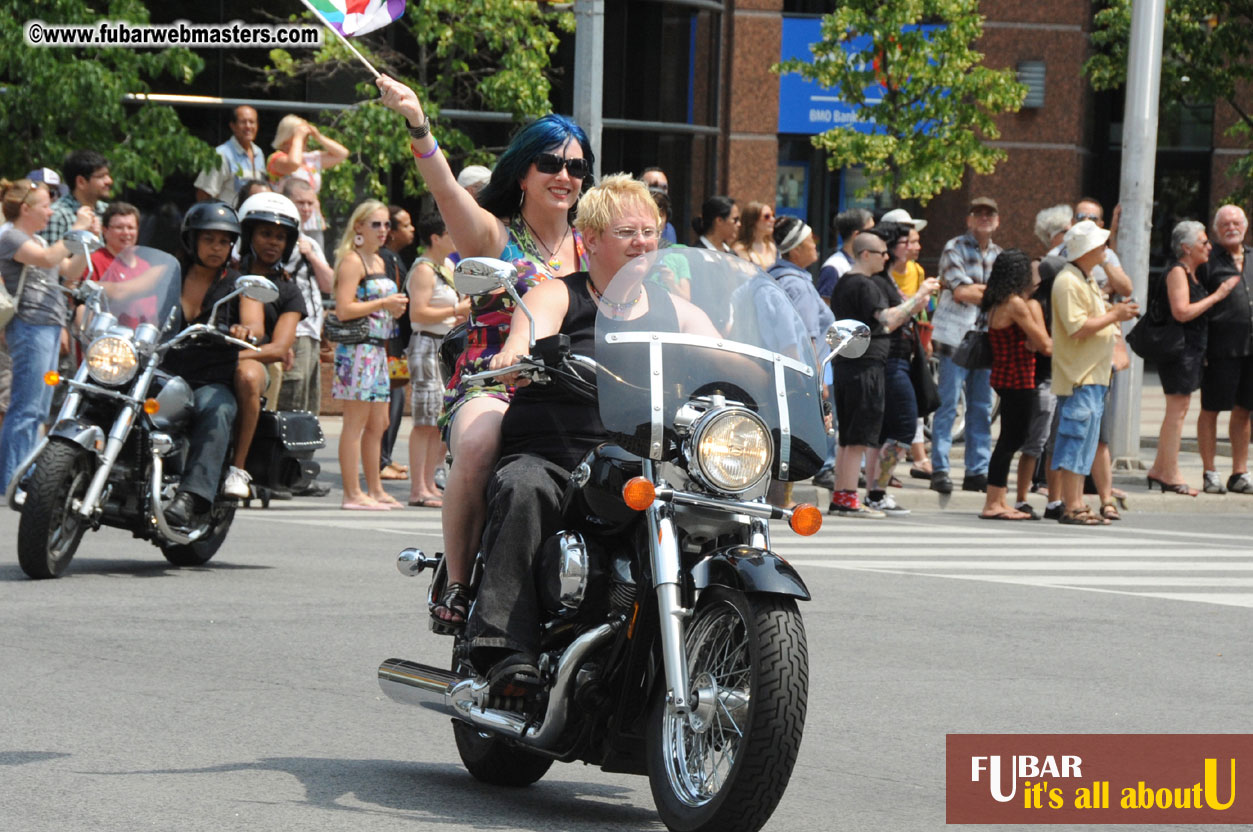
(198, 552)
(51, 527)
(725, 768)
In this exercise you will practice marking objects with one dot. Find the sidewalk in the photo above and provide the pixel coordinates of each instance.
(917, 494)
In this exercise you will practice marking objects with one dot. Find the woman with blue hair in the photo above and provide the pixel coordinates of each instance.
(523, 215)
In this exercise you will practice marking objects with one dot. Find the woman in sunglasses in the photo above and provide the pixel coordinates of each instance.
(523, 215)
(363, 289)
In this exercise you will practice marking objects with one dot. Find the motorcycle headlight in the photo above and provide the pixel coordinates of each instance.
(731, 450)
(111, 360)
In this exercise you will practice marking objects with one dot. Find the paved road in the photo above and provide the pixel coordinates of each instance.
(242, 695)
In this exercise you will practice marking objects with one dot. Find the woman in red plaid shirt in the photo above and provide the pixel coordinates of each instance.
(1016, 332)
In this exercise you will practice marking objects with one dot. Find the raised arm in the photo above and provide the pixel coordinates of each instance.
(332, 151)
(895, 317)
(1029, 316)
(477, 232)
(1181, 307)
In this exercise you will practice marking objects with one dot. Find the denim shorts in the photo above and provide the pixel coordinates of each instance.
(1078, 428)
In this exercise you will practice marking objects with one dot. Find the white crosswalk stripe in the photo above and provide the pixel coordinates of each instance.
(1207, 567)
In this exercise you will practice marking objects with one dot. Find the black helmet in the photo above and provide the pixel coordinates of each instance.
(272, 208)
(207, 216)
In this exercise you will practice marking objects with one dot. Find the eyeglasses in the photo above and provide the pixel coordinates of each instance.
(882, 251)
(1082, 217)
(552, 163)
(624, 233)
(377, 224)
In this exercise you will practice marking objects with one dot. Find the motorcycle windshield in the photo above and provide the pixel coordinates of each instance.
(141, 285)
(682, 323)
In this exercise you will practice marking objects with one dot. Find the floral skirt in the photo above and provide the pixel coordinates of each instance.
(361, 373)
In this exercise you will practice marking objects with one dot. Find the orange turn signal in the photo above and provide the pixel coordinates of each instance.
(151, 406)
(52, 378)
(638, 493)
(806, 519)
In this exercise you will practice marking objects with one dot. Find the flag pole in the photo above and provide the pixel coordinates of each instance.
(339, 35)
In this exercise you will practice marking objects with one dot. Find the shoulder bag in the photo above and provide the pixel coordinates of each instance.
(975, 350)
(356, 331)
(8, 303)
(925, 389)
(1157, 336)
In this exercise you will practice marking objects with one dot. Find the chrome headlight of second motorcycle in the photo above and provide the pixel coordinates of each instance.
(111, 360)
(730, 450)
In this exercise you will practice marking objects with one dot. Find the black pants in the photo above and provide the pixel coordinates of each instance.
(523, 498)
(1015, 421)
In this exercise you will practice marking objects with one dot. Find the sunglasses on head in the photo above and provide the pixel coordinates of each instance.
(377, 224)
(552, 163)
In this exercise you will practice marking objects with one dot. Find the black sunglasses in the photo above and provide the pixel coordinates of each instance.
(380, 224)
(552, 163)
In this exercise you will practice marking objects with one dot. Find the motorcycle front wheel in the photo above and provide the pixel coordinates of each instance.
(51, 527)
(725, 766)
(198, 552)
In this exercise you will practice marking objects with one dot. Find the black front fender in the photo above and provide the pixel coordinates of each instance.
(749, 569)
(81, 432)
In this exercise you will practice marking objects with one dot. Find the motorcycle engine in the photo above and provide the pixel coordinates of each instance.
(573, 576)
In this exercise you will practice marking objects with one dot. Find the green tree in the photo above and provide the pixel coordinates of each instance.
(938, 101)
(57, 99)
(470, 54)
(1207, 57)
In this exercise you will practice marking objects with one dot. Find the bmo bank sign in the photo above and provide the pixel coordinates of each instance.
(804, 106)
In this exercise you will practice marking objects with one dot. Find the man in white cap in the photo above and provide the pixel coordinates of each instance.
(1085, 328)
(473, 178)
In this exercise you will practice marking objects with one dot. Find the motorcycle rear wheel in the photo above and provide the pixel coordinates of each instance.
(492, 760)
(199, 552)
(725, 768)
(51, 527)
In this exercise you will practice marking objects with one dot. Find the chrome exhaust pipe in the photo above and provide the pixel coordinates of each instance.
(462, 698)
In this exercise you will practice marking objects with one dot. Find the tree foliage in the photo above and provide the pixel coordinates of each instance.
(471, 54)
(1207, 57)
(938, 101)
(56, 100)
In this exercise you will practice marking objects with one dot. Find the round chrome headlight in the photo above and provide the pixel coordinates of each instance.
(731, 450)
(111, 360)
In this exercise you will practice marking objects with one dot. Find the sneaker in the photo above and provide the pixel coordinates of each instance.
(1026, 508)
(856, 510)
(1239, 484)
(1054, 512)
(825, 479)
(313, 489)
(888, 506)
(940, 482)
(238, 484)
(1213, 485)
(441, 477)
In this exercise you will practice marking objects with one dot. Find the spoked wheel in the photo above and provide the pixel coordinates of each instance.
(51, 527)
(491, 759)
(198, 552)
(726, 765)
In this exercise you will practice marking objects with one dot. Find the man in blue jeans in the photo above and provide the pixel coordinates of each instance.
(965, 265)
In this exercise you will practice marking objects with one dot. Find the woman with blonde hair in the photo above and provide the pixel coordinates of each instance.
(293, 158)
(363, 289)
(756, 238)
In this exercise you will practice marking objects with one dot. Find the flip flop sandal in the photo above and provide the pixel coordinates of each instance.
(1110, 512)
(1081, 517)
(456, 602)
(1005, 515)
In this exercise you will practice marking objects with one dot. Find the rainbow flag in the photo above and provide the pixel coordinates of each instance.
(358, 17)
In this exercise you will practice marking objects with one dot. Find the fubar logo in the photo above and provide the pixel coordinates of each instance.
(1099, 778)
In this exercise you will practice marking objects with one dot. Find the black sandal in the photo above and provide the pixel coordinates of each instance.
(456, 601)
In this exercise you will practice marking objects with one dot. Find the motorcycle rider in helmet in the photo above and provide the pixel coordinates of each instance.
(269, 227)
(208, 231)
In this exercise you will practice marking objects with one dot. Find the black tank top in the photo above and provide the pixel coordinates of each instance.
(547, 421)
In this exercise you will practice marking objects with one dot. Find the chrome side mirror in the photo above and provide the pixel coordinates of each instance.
(847, 338)
(482, 275)
(257, 288)
(82, 242)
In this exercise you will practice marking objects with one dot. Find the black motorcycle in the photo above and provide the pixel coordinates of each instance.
(114, 455)
(673, 646)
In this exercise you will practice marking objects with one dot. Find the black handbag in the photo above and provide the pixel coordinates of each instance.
(975, 350)
(1157, 336)
(356, 331)
(925, 389)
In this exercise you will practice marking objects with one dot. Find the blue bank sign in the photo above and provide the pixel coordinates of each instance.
(806, 107)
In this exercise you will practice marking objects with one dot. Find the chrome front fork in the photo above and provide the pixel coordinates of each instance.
(667, 576)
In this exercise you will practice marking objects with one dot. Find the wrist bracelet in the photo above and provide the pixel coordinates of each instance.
(422, 129)
(432, 152)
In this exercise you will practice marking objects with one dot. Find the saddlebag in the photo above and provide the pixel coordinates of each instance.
(282, 450)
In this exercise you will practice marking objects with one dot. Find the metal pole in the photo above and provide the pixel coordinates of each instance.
(589, 76)
(1139, 155)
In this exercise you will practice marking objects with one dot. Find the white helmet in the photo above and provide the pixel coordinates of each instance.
(270, 207)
